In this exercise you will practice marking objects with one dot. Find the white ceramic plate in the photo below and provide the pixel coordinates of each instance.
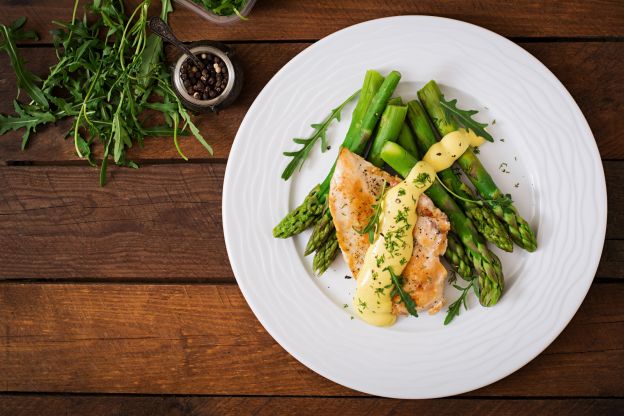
(550, 154)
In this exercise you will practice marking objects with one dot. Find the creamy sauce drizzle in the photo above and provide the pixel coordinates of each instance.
(393, 246)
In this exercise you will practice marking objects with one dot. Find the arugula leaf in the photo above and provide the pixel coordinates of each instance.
(464, 117)
(28, 118)
(320, 132)
(405, 298)
(19, 34)
(372, 226)
(25, 80)
(455, 307)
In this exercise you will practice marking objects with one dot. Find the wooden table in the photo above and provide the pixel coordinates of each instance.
(105, 292)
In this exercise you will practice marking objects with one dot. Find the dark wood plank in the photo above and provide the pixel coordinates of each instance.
(612, 261)
(290, 19)
(161, 222)
(41, 405)
(601, 97)
(614, 176)
(184, 339)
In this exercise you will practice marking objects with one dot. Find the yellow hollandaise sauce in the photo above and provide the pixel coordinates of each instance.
(394, 243)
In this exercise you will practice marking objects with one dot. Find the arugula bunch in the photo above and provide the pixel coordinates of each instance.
(107, 75)
(224, 7)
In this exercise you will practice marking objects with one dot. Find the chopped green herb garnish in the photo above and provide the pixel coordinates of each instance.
(397, 290)
(372, 227)
(422, 179)
(380, 260)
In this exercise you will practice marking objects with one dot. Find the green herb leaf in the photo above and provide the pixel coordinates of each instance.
(25, 79)
(455, 307)
(464, 117)
(28, 118)
(320, 132)
(372, 226)
(404, 297)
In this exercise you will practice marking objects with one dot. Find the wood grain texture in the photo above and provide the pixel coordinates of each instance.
(38, 405)
(612, 261)
(164, 219)
(203, 339)
(299, 19)
(600, 97)
(160, 222)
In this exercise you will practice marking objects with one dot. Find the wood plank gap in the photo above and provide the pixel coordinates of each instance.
(143, 162)
(515, 39)
(138, 281)
(466, 396)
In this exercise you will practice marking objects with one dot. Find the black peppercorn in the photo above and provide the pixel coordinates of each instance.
(205, 81)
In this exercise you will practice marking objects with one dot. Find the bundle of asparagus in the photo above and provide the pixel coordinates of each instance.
(399, 134)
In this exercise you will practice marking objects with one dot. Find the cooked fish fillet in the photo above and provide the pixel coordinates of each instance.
(354, 188)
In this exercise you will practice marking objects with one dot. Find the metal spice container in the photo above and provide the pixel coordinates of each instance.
(193, 100)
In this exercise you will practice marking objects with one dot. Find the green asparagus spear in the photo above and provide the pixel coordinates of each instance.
(322, 230)
(358, 143)
(457, 257)
(407, 141)
(301, 217)
(519, 230)
(325, 254)
(372, 82)
(395, 101)
(486, 264)
(389, 128)
(482, 217)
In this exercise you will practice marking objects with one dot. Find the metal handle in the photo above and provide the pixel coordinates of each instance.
(162, 29)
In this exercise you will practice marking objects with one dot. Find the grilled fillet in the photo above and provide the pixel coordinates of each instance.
(354, 188)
